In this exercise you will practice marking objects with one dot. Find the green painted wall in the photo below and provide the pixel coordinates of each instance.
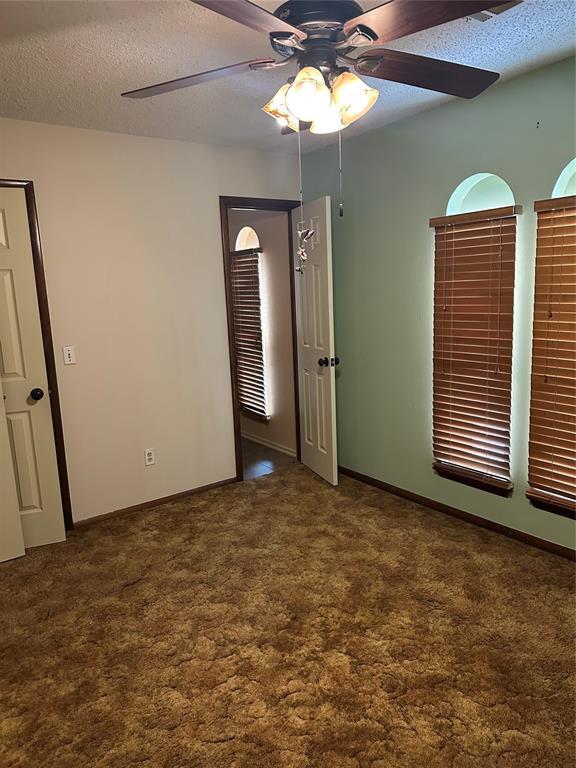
(395, 179)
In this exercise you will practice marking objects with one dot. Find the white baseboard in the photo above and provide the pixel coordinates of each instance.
(270, 444)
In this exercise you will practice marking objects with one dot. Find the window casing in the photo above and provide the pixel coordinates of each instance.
(552, 446)
(246, 285)
(473, 319)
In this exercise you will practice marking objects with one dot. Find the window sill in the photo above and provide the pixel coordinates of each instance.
(551, 503)
(474, 479)
(255, 416)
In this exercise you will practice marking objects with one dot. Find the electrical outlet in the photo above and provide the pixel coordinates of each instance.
(69, 354)
(149, 457)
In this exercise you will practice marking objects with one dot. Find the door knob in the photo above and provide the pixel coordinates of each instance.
(334, 361)
(37, 393)
(323, 362)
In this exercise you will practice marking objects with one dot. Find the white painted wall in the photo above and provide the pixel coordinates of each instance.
(130, 231)
(272, 230)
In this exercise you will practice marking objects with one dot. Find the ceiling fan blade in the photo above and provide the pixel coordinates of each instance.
(200, 77)
(398, 18)
(423, 72)
(251, 15)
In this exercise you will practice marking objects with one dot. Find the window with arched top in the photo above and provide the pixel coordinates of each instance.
(473, 309)
(551, 447)
(247, 238)
(480, 192)
(248, 303)
(566, 182)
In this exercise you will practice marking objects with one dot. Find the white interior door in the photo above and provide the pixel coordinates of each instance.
(22, 369)
(315, 329)
(11, 538)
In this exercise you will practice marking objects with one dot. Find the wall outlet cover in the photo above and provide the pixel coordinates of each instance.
(69, 354)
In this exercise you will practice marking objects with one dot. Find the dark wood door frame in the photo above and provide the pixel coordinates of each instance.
(256, 204)
(28, 187)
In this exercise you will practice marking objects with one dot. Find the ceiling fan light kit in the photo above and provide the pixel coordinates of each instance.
(329, 121)
(277, 109)
(308, 96)
(353, 97)
(310, 100)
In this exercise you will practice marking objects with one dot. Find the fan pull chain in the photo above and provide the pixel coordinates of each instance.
(301, 185)
(341, 205)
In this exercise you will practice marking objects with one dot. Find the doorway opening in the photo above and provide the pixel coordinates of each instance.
(260, 297)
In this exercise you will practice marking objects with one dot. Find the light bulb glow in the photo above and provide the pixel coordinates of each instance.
(308, 96)
(352, 96)
(329, 121)
(277, 109)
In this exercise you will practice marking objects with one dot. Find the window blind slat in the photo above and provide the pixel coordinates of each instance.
(473, 307)
(552, 446)
(248, 337)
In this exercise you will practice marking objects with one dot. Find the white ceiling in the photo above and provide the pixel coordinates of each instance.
(68, 62)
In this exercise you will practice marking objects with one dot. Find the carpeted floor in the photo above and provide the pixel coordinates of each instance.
(281, 623)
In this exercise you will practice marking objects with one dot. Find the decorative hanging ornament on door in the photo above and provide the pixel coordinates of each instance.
(304, 234)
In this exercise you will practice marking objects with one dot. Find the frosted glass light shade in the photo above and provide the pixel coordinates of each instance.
(308, 96)
(329, 121)
(353, 97)
(277, 108)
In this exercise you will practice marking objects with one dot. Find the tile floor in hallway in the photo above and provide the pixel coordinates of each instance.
(260, 460)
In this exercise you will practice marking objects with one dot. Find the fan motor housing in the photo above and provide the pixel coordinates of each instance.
(332, 13)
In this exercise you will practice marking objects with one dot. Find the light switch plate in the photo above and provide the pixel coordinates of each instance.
(69, 354)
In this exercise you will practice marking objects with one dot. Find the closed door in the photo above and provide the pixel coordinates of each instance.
(32, 455)
(316, 355)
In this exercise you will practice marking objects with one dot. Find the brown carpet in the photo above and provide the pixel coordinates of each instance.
(281, 623)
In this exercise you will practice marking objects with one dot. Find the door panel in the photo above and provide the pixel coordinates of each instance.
(24, 461)
(315, 328)
(12, 359)
(11, 536)
(32, 452)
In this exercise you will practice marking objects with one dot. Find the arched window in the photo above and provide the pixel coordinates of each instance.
(551, 451)
(249, 306)
(480, 192)
(473, 307)
(247, 238)
(566, 184)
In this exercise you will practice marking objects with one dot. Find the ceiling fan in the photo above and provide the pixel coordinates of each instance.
(319, 36)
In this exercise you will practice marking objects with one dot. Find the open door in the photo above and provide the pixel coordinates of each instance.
(26, 411)
(315, 330)
(11, 537)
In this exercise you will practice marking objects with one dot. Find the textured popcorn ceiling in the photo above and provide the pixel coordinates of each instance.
(68, 62)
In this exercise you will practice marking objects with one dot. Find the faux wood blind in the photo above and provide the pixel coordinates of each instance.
(552, 452)
(473, 308)
(249, 348)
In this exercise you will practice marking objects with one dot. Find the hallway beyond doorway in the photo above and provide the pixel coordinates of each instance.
(260, 460)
